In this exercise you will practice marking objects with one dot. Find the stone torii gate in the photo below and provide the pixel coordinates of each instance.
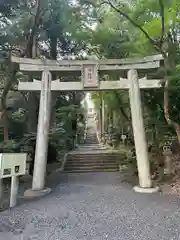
(88, 69)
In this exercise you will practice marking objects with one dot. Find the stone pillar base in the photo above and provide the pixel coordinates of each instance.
(30, 193)
(146, 190)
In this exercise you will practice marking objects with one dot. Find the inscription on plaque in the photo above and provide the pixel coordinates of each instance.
(90, 76)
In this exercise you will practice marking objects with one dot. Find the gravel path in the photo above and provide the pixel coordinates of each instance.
(93, 207)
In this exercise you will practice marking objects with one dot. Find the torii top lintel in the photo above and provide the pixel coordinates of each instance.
(27, 64)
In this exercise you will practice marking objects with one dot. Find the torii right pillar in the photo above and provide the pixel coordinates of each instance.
(143, 165)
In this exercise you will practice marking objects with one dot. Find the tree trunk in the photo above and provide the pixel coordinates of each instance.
(166, 110)
(31, 51)
(32, 99)
(177, 128)
(53, 54)
(7, 85)
(5, 123)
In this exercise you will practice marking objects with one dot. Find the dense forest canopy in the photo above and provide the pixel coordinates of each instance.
(39, 29)
(60, 29)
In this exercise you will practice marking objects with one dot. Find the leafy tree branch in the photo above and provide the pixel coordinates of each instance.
(162, 21)
(135, 24)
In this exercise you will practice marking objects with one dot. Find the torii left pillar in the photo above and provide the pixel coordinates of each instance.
(38, 184)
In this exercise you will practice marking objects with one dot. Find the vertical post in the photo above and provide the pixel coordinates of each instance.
(42, 133)
(100, 117)
(14, 190)
(103, 120)
(139, 132)
(1, 180)
(1, 188)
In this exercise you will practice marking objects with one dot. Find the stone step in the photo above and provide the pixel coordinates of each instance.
(92, 165)
(92, 159)
(85, 169)
(91, 154)
(91, 142)
(91, 146)
(88, 136)
(91, 139)
(72, 164)
(91, 135)
(100, 154)
(94, 156)
(94, 152)
(89, 160)
(91, 170)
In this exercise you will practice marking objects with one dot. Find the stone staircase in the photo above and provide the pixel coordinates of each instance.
(91, 156)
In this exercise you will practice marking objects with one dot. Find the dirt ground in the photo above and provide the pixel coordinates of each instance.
(168, 187)
(25, 183)
(172, 185)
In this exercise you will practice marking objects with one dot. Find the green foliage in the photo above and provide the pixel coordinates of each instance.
(174, 98)
(9, 146)
(141, 28)
(115, 30)
(59, 27)
(152, 28)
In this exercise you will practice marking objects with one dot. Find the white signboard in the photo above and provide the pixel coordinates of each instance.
(90, 76)
(12, 164)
